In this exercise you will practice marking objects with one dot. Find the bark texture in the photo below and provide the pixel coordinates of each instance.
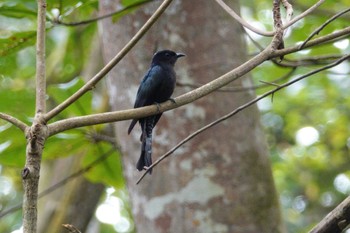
(221, 181)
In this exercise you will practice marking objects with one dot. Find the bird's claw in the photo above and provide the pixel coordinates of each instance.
(172, 100)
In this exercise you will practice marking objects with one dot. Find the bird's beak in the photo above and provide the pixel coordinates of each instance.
(180, 55)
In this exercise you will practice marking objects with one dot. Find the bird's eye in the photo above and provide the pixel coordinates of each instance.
(167, 54)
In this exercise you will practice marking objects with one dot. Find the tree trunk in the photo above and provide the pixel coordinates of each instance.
(221, 180)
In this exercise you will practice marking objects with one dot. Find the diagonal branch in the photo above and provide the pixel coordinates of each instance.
(319, 29)
(92, 82)
(186, 98)
(239, 109)
(19, 124)
(267, 33)
(336, 221)
(132, 6)
(189, 97)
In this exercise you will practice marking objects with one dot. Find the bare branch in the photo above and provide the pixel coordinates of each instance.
(189, 97)
(304, 14)
(92, 82)
(40, 59)
(239, 88)
(239, 109)
(242, 21)
(19, 124)
(186, 98)
(319, 29)
(336, 221)
(317, 41)
(137, 4)
(268, 33)
(71, 228)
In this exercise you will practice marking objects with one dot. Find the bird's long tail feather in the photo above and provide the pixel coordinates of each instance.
(146, 147)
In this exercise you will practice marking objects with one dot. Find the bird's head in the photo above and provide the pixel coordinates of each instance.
(166, 57)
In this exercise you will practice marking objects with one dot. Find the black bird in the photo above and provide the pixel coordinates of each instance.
(156, 87)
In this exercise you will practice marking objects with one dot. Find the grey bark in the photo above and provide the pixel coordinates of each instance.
(221, 181)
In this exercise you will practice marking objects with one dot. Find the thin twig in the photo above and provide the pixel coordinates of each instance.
(307, 61)
(304, 14)
(242, 21)
(16, 122)
(266, 33)
(83, 22)
(239, 109)
(319, 29)
(93, 81)
(240, 88)
(71, 228)
(311, 43)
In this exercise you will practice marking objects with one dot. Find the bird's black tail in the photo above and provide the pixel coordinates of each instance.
(146, 147)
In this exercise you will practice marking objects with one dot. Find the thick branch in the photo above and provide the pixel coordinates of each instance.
(336, 221)
(189, 97)
(92, 82)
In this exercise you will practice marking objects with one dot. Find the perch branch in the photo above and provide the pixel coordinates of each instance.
(93, 81)
(239, 109)
(189, 97)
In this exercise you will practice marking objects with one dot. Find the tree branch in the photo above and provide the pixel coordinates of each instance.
(37, 133)
(319, 29)
(40, 59)
(92, 82)
(244, 23)
(186, 98)
(336, 221)
(268, 33)
(239, 109)
(19, 124)
(189, 97)
(132, 6)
